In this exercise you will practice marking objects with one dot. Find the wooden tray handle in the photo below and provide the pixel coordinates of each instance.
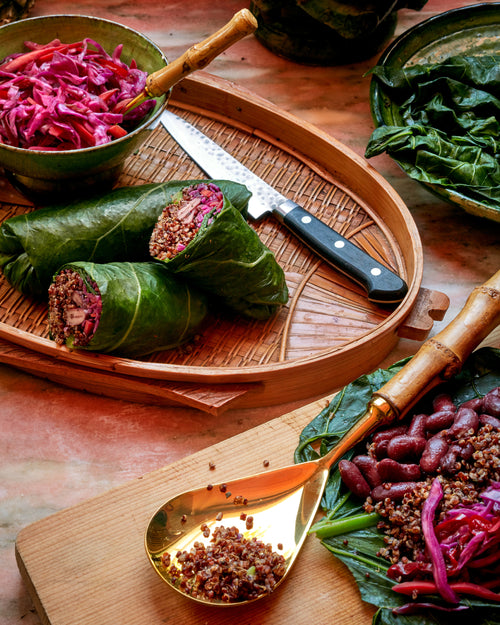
(443, 355)
(201, 54)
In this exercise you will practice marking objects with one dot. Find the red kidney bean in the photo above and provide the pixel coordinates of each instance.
(491, 402)
(395, 491)
(392, 471)
(435, 449)
(417, 426)
(466, 419)
(405, 447)
(476, 404)
(486, 419)
(381, 439)
(448, 462)
(368, 467)
(443, 401)
(353, 479)
(439, 420)
(466, 451)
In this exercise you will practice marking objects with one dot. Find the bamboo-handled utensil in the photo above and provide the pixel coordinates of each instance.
(283, 502)
(198, 56)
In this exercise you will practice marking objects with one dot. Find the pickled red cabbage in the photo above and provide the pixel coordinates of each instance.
(67, 96)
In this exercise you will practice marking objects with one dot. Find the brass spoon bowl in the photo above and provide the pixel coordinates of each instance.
(283, 502)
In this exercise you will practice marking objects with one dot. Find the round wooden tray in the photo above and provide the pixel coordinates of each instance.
(327, 335)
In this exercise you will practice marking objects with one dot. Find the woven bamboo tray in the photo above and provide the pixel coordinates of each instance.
(327, 335)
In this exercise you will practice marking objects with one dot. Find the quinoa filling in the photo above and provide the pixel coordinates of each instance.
(180, 221)
(230, 568)
(401, 521)
(74, 309)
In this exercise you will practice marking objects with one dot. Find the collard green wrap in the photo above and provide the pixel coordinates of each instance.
(114, 227)
(144, 308)
(228, 261)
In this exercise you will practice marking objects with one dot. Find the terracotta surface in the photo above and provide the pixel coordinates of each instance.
(58, 447)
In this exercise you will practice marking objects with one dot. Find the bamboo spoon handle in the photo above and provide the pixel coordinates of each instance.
(201, 54)
(437, 360)
(443, 355)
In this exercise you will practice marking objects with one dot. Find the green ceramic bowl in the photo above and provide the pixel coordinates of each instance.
(59, 176)
(469, 30)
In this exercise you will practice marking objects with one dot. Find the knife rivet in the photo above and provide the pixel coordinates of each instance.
(339, 243)
(305, 219)
(375, 271)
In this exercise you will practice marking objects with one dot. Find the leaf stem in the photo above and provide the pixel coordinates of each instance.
(326, 528)
(357, 557)
(339, 505)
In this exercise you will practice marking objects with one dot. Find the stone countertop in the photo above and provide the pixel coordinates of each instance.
(60, 446)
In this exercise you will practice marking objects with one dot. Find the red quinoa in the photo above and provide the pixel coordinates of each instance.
(231, 568)
(74, 309)
(180, 221)
(401, 520)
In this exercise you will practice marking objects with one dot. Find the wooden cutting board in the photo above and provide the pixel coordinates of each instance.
(87, 565)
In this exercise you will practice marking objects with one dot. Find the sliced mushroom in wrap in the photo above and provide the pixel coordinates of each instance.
(114, 227)
(130, 309)
(202, 238)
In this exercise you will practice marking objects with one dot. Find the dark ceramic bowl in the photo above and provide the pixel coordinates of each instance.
(466, 31)
(62, 175)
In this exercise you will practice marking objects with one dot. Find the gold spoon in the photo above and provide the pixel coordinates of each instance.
(283, 502)
(242, 23)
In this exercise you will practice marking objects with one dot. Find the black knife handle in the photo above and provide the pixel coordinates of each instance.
(381, 284)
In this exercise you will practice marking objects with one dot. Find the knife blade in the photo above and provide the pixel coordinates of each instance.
(381, 284)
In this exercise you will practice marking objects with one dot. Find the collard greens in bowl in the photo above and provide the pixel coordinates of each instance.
(435, 98)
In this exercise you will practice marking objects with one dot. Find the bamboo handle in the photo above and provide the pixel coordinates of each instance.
(443, 355)
(201, 54)
(438, 359)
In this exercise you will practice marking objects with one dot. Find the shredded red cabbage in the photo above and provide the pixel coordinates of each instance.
(463, 549)
(470, 536)
(68, 96)
(432, 543)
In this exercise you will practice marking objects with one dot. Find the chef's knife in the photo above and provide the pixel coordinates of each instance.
(381, 284)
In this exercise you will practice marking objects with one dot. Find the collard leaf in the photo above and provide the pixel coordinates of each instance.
(449, 132)
(385, 616)
(345, 409)
(228, 260)
(114, 227)
(374, 585)
(144, 308)
(358, 549)
(342, 413)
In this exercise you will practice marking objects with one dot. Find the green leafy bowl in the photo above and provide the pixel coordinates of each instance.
(465, 32)
(60, 175)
